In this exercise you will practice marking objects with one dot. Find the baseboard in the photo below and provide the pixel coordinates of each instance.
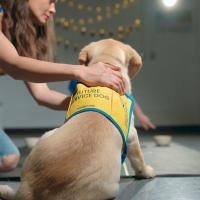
(176, 129)
(27, 131)
(160, 129)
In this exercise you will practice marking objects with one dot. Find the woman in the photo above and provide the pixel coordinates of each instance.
(25, 23)
(28, 69)
(38, 41)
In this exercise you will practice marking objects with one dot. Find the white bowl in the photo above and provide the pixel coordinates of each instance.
(162, 140)
(31, 141)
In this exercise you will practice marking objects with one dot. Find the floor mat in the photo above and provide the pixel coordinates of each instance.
(175, 159)
(181, 157)
(162, 188)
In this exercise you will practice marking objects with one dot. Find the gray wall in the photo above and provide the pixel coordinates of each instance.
(167, 88)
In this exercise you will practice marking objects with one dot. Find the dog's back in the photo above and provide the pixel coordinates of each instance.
(76, 162)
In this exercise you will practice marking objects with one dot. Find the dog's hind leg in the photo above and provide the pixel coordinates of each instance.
(136, 157)
(24, 192)
(104, 192)
(6, 192)
(48, 133)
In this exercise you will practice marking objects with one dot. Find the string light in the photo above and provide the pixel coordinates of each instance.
(71, 24)
(137, 23)
(90, 8)
(93, 22)
(98, 9)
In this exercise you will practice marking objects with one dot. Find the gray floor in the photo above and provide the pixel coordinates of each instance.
(177, 167)
(181, 157)
(161, 189)
(154, 189)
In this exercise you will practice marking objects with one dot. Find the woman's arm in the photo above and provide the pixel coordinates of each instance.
(32, 70)
(47, 97)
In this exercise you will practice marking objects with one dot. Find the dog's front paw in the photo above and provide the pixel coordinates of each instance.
(146, 172)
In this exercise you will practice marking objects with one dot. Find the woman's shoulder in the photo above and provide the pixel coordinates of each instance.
(2, 72)
(1, 16)
(1, 10)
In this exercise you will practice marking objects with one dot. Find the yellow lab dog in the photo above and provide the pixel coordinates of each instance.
(82, 159)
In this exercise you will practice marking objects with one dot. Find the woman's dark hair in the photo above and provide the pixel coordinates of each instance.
(29, 39)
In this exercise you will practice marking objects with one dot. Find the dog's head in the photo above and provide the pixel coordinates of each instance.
(112, 52)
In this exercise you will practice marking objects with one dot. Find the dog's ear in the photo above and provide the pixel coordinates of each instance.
(134, 61)
(84, 55)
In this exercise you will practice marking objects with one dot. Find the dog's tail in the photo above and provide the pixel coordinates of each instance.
(6, 192)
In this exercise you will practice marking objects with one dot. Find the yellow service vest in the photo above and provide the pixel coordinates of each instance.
(118, 109)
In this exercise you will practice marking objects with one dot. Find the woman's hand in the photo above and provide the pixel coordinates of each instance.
(145, 122)
(101, 74)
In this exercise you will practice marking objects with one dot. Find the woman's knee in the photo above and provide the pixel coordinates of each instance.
(9, 153)
(8, 163)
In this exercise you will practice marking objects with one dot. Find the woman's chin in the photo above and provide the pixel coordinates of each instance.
(39, 20)
(42, 22)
